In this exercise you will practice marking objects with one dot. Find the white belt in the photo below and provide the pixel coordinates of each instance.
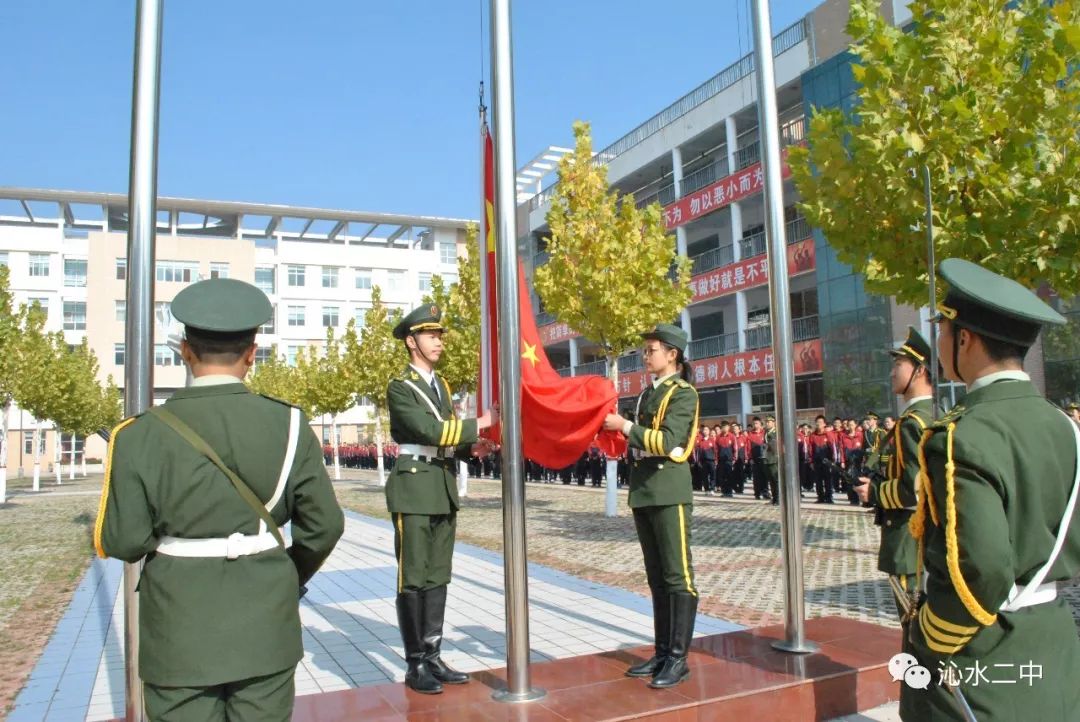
(230, 547)
(1039, 595)
(431, 452)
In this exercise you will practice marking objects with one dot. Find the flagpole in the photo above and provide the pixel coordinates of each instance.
(519, 687)
(791, 525)
(138, 338)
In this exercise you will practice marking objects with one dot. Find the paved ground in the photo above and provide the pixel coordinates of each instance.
(586, 587)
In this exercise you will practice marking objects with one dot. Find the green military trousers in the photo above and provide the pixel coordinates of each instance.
(424, 546)
(664, 534)
(259, 699)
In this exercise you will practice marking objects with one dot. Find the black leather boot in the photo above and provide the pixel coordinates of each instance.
(434, 611)
(661, 606)
(674, 668)
(410, 611)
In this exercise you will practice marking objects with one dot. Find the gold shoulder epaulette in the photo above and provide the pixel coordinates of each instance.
(683, 383)
(280, 401)
(953, 415)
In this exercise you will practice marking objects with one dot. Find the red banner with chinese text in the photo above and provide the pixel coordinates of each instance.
(722, 193)
(754, 365)
(750, 273)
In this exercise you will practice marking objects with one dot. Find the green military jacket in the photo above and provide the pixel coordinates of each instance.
(998, 472)
(207, 621)
(665, 430)
(425, 487)
(895, 495)
(876, 438)
(771, 439)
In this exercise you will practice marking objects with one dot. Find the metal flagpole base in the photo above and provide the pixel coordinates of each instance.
(505, 695)
(807, 647)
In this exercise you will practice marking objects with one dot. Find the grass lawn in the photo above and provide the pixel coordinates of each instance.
(45, 546)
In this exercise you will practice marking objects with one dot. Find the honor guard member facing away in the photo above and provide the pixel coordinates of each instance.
(663, 435)
(200, 487)
(422, 496)
(894, 496)
(996, 518)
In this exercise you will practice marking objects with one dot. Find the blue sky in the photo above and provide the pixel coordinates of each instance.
(339, 103)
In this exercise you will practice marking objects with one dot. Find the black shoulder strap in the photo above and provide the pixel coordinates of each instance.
(188, 434)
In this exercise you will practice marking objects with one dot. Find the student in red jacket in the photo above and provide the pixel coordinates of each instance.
(755, 439)
(822, 456)
(725, 458)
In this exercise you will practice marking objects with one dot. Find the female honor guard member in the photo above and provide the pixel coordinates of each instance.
(661, 497)
(996, 519)
(422, 496)
(200, 487)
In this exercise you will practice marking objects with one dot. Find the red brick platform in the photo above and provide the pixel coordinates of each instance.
(735, 675)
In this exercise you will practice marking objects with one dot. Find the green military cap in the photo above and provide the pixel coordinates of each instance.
(770, 417)
(991, 305)
(1073, 406)
(670, 334)
(871, 415)
(422, 318)
(222, 305)
(914, 347)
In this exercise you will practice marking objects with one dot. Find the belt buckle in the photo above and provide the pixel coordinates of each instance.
(232, 545)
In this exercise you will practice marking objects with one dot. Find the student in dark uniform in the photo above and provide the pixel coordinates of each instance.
(663, 436)
(422, 495)
(822, 456)
(997, 516)
(725, 458)
(706, 451)
(200, 487)
(756, 439)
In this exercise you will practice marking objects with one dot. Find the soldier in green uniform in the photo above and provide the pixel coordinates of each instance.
(661, 495)
(875, 440)
(422, 496)
(771, 457)
(996, 520)
(200, 487)
(894, 495)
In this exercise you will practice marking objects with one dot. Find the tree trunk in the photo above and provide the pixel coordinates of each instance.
(334, 439)
(71, 475)
(58, 456)
(4, 451)
(36, 441)
(84, 460)
(611, 481)
(379, 449)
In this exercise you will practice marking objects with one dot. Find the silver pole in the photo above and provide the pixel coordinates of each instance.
(138, 338)
(931, 266)
(788, 466)
(519, 688)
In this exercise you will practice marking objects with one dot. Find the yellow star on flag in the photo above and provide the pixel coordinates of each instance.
(530, 353)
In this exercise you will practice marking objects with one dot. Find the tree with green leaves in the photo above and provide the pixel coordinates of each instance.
(613, 270)
(374, 357)
(328, 387)
(83, 405)
(460, 363)
(37, 376)
(12, 333)
(985, 96)
(276, 378)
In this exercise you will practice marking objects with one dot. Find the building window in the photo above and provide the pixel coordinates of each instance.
(330, 276)
(395, 280)
(296, 316)
(361, 317)
(809, 393)
(4, 259)
(268, 327)
(262, 355)
(264, 279)
(176, 271)
(121, 269)
(28, 443)
(41, 301)
(448, 253)
(762, 399)
(290, 357)
(363, 279)
(425, 281)
(330, 316)
(75, 272)
(165, 356)
(118, 354)
(219, 270)
(74, 315)
(121, 311)
(449, 279)
(39, 264)
(296, 276)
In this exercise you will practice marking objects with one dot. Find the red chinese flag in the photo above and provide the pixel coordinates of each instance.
(560, 417)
